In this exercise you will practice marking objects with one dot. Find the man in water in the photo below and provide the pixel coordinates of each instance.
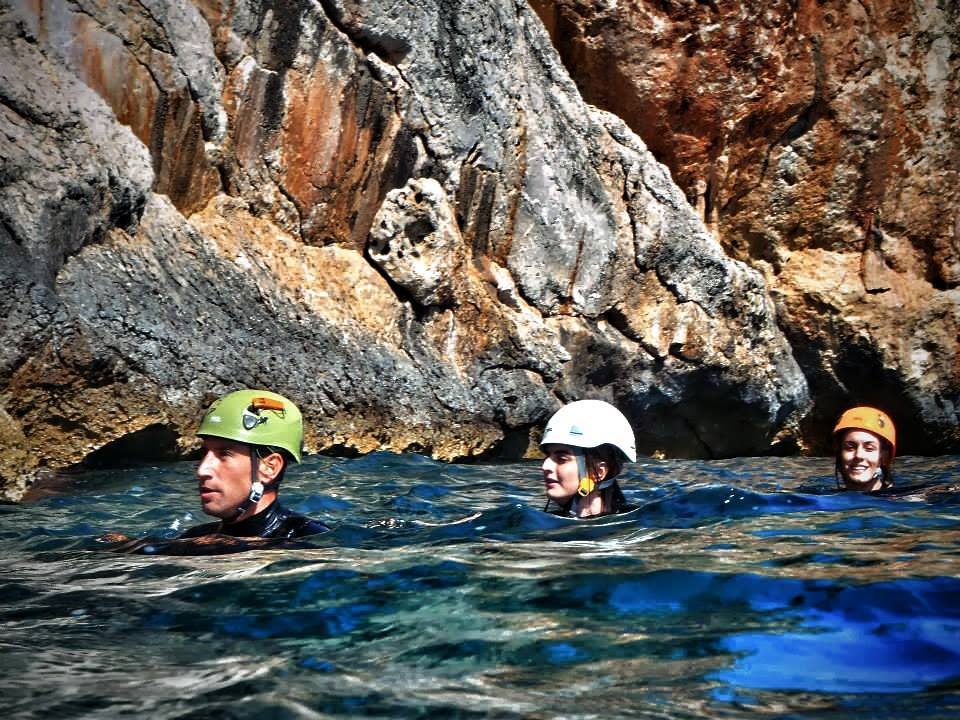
(249, 439)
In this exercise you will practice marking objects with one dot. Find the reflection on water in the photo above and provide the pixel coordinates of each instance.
(738, 588)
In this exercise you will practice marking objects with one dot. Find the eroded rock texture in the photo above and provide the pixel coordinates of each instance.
(820, 141)
(404, 217)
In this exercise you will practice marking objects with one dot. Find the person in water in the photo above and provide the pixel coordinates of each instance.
(865, 441)
(586, 444)
(249, 439)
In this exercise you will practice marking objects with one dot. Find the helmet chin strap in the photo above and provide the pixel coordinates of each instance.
(256, 487)
(880, 475)
(587, 483)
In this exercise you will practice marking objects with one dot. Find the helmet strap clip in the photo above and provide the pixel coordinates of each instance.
(587, 483)
(256, 492)
(256, 487)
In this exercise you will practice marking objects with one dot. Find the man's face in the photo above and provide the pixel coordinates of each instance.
(223, 477)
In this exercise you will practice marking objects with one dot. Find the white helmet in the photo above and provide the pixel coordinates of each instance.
(589, 424)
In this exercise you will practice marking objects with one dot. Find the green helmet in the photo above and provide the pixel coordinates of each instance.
(256, 417)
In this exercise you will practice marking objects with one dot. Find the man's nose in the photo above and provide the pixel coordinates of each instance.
(206, 462)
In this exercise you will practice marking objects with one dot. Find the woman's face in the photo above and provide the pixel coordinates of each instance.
(560, 472)
(861, 453)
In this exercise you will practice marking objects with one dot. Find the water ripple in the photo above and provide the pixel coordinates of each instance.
(736, 587)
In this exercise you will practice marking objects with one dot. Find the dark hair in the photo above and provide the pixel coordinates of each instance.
(612, 496)
(608, 454)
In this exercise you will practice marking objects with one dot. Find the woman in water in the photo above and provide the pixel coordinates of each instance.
(866, 443)
(586, 444)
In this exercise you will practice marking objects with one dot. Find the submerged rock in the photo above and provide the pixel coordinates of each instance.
(406, 219)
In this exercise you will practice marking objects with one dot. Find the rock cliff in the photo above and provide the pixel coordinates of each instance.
(406, 218)
(820, 142)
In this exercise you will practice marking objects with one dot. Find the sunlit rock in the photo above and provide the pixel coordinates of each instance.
(416, 241)
(800, 130)
(406, 218)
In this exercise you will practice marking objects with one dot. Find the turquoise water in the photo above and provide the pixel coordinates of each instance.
(740, 588)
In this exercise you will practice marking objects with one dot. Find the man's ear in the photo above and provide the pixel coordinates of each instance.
(270, 468)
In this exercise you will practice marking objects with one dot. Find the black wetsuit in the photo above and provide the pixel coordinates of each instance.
(619, 502)
(274, 522)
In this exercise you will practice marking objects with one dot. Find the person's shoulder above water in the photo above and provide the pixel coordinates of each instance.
(210, 528)
(615, 504)
(295, 525)
(586, 444)
(274, 522)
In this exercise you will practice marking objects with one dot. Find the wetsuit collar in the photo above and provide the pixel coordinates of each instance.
(259, 525)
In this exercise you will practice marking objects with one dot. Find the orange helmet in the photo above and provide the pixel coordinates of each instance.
(871, 420)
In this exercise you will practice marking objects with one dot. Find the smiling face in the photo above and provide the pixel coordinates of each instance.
(223, 477)
(861, 455)
(560, 472)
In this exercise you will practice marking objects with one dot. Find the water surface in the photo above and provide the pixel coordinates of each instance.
(739, 588)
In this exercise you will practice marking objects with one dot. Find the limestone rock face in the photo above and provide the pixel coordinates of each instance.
(405, 218)
(416, 241)
(821, 144)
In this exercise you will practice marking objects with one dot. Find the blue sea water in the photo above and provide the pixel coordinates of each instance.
(738, 588)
